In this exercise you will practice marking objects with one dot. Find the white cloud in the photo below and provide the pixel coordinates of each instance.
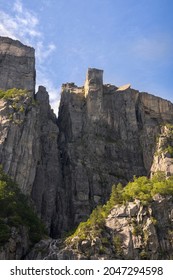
(43, 53)
(8, 26)
(23, 25)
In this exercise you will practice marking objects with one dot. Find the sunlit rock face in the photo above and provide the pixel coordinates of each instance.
(163, 156)
(107, 135)
(28, 131)
(103, 135)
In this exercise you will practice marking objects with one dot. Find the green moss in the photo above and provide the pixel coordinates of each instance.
(16, 211)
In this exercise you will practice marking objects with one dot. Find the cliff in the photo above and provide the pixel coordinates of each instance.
(17, 65)
(28, 131)
(104, 135)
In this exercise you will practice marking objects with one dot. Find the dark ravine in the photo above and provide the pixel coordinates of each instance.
(103, 135)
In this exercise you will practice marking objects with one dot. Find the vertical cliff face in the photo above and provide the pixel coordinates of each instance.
(163, 156)
(29, 132)
(17, 65)
(46, 187)
(103, 135)
(28, 149)
(107, 135)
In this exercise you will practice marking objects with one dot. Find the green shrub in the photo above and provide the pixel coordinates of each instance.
(137, 230)
(144, 255)
(154, 221)
(169, 150)
(93, 226)
(141, 188)
(170, 126)
(144, 189)
(21, 109)
(102, 250)
(4, 233)
(117, 245)
(159, 176)
(12, 93)
(115, 197)
(15, 211)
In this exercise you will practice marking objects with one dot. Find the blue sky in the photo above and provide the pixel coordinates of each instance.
(131, 40)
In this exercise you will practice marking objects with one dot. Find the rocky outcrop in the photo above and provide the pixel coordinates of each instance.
(132, 231)
(17, 65)
(145, 232)
(163, 156)
(17, 246)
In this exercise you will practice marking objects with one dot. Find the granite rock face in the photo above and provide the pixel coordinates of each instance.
(17, 246)
(163, 157)
(132, 231)
(28, 150)
(107, 135)
(17, 65)
(29, 133)
(103, 135)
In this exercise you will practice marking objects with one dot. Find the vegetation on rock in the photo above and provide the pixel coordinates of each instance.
(12, 93)
(166, 143)
(94, 226)
(145, 189)
(142, 188)
(169, 150)
(169, 126)
(15, 211)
